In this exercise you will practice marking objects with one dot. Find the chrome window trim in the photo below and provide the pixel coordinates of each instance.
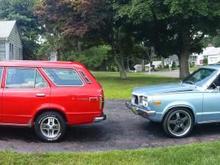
(84, 77)
(83, 84)
(37, 71)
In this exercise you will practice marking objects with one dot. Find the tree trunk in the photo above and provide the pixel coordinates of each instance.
(128, 64)
(184, 55)
(143, 66)
(184, 64)
(120, 63)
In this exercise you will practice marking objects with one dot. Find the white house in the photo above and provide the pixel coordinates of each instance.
(10, 41)
(212, 54)
(171, 59)
(156, 64)
(138, 68)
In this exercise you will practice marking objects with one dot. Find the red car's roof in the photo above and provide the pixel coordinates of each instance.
(27, 63)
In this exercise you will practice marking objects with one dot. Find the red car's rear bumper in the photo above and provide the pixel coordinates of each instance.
(101, 118)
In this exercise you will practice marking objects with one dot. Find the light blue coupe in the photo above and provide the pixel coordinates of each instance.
(180, 106)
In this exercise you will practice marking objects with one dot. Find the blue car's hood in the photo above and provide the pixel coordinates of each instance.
(165, 88)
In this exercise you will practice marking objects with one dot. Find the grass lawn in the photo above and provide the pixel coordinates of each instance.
(115, 88)
(201, 154)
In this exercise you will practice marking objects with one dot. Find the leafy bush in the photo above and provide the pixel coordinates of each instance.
(205, 61)
(192, 64)
(94, 58)
(174, 65)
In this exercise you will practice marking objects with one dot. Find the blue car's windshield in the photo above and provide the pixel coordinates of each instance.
(199, 77)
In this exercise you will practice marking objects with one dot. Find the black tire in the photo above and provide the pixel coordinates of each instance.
(168, 123)
(60, 125)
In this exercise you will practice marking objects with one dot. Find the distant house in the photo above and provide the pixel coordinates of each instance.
(155, 64)
(138, 68)
(10, 41)
(212, 54)
(171, 59)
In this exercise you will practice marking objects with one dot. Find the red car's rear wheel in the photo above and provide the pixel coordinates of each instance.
(50, 126)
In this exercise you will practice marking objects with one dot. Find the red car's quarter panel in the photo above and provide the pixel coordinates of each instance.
(81, 104)
(1, 93)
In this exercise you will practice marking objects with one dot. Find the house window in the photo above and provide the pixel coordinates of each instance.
(201, 62)
(20, 54)
(2, 51)
(11, 51)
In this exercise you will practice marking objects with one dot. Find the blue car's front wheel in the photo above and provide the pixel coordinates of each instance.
(178, 122)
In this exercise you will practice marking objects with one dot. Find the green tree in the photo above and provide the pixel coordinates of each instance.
(216, 41)
(94, 58)
(29, 28)
(205, 61)
(73, 21)
(212, 40)
(174, 26)
(87, 23)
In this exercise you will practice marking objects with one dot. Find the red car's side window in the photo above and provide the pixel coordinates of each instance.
(24, 78)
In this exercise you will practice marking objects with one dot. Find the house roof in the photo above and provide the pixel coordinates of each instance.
(209, 51)
(5, 28)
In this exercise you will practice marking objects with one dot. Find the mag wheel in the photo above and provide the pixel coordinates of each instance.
(178, 123)
(50, 126)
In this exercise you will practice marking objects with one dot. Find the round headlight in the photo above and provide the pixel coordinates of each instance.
(145, 98)
(144, 101)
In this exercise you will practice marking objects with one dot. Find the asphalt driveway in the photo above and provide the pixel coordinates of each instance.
(122, 130)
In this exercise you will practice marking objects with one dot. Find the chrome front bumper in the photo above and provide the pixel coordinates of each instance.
(101, 118)
(139, 111)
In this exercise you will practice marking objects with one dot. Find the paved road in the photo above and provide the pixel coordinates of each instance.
(122, 130)
(173, 73)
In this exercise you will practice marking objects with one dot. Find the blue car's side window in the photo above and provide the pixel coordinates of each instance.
(216, 83)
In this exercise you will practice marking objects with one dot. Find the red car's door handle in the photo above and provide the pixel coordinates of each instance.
(40, 95)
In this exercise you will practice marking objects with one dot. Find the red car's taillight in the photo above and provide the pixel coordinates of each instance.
(101, 102)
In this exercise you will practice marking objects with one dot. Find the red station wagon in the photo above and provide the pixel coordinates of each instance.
(49, 96)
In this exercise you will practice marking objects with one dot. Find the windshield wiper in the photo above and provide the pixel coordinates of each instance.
(189, 82)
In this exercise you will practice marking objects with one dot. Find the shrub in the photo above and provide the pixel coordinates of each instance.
(205, 61)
